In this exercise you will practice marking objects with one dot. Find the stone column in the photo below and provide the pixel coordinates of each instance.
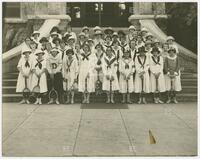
(145, 8)
(159, 8)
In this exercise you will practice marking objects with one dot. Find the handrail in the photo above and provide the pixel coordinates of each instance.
(44, 31)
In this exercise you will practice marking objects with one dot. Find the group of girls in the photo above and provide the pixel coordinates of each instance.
(105, 61)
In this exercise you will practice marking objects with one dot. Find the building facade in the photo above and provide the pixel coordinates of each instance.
(83, 13)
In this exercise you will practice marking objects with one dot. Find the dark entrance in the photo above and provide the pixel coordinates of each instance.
(99, 13)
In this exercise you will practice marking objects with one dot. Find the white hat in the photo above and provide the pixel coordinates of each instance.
(131, 27)
(71, 37)
(26, 49)
(54, 49)
(144, 30)
(170, 38)
(96, 28)
(90, 40)
(115, 34)
(35, 32)
(156, 41)
(149, 34)
(81, 34)
(85, 28)
(54, 33)
(39, 51)
(98, 32)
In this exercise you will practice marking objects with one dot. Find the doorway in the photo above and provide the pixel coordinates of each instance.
(99, 13)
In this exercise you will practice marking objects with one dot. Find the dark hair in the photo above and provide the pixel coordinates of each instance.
(127, 51)
(28, 37)
(155, 49)
(132, 41)
(114, 42)
(56, 29)
(69, 51)
(109, 47)
(100, 46)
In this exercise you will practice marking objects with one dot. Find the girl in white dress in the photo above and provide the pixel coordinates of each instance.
(132, 46)
(117, 50)
(35, 36)
(91, 44)
(126, 69)
(81, 39)
(164, 52)
(98, 73)
(86, 78)
(98, 38)
(25, 74)
(172, 78)
(107, 42)
(132, 33)
(139, 42)
(39, 69)
(70, 73)
(156, 74)
(142, 84)
(110, 80)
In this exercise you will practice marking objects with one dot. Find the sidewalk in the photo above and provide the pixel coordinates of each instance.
(75, 130)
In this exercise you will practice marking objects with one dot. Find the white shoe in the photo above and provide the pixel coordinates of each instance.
(175, 101)
(168, 101)
(37, 101)
(40, 101)
(22, 101)
(27, 102)
(57, 102)
(160, 101)
(144, 101)
(140, 101)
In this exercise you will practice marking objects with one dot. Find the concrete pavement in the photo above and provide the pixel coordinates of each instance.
(89, 130)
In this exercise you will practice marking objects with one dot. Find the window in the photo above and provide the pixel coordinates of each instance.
(11, 10)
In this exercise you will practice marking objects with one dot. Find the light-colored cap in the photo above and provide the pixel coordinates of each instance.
(131, 28)
(170, 38)
(35, 32)
(96, 28)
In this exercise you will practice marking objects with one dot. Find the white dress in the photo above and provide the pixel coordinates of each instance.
(118, 53)
(26, 69)
(133, 53)
(86, 66)
(98, 60)
(142, 64)
(97, 41)
(109, 67)
(177, 81)
(69, 72)
(156, 66)
(39, 66)
(106, 45)
(126, 67)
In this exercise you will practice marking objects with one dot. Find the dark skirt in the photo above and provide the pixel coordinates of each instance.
(57, 83)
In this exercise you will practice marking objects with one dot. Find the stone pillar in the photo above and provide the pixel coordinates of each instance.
(159, 8)
(145, 8)
(55, 8)
(42, 8)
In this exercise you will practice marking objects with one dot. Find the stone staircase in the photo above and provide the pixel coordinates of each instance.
(188, 94)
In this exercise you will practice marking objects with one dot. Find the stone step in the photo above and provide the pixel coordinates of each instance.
(184, 82)
(182, 97)
(185, 89)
